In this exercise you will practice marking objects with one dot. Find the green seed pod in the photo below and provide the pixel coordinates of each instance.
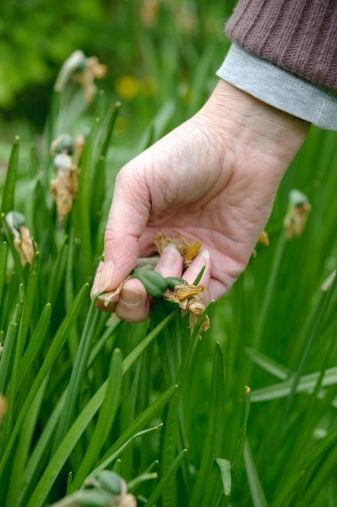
(111, 482)
(153, 282)
(86, 498)
(173, 281)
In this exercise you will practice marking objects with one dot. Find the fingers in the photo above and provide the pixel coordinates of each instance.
(133, 304)
(170, 263)
(191, 273)
(128, 217)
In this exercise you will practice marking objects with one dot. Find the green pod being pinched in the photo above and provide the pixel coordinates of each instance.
(153, 282)
(173, 281)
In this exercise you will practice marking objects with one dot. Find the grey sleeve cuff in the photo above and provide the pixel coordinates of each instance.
(279, 88)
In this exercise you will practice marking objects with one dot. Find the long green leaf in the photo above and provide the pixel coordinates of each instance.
(256, 491)
(162, 483)
(8, 193)
(35, 344)
(56, 345)
(305, 384)
(214, 437)
(3, 263)
(226, 476)
(64, 450)
(106, 417)
(77, 374)
(7, 354)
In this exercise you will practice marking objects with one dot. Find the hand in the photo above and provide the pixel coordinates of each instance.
(214, 179)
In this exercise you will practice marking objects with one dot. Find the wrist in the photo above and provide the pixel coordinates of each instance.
(248, 123)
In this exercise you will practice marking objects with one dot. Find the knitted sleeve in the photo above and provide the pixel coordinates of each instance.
(297, 35)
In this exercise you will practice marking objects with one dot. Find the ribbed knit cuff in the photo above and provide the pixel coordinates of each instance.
(298, 35)
(279, 88)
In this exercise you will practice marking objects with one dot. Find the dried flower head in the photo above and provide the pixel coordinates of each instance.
(62, 144)
(297, 215)
(64, 186)
(108, 300)
(187, 297)
(23, 242)
(3, 407)
(149, 11)
(82, 70)
(188, 249)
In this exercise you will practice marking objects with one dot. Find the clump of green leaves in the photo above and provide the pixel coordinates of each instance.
(85, 395)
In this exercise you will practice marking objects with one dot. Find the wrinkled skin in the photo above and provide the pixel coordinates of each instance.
(213, 178)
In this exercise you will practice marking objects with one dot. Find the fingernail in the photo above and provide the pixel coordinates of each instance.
(130, 298)
(171, 246)
(205, 254)
(103, 278)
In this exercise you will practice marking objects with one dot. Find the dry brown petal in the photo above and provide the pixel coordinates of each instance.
(107, 301)
(24, 246)
(86, 78)
(187, 297)
(193, 320)
(124, 501)
(296, 220)
(188, 249)
(264, 238)
(64, 189)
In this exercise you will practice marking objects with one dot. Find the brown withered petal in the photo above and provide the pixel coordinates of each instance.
(187, 297)
(107, 301)
(25, 246)
(264, 238)
(296, 220)
(183, 292)
(188, 249)
(124, 501)
(63, 189)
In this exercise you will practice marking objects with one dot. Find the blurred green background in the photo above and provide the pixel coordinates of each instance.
(149, 46)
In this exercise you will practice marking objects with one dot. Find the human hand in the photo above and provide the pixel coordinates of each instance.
(213, 179)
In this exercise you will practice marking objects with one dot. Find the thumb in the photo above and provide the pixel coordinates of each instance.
(127, 220)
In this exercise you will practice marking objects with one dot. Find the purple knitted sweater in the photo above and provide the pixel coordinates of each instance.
(297, 35)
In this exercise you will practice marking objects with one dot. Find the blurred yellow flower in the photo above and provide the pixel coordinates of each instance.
(127, 87)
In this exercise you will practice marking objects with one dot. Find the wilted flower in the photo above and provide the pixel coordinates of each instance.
(3, 407)
(188, 249)
(64, 186)
(105, 489)
(187, 297)
(108, 300)
(23, 242)
(149, 10)
(82, 70)
(62, 144)
(297, 215)
(185, 16)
